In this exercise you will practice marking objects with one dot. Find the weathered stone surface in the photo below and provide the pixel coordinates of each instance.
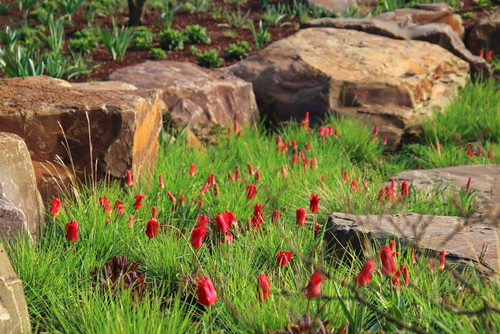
(195, 96)
(485, 179)
(435, 33)
(395, 84)
(14, 316)
(21, 206)
(49, 114)
(103, 85)
(363, 6)
(486, 34)
(463, 240)
(438, 13)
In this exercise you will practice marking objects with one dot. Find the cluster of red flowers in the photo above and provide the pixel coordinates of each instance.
(391, 192)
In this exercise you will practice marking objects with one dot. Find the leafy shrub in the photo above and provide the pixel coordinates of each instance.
(21, 62)
(9, 38)
(117, 43)
(28, 38)
(143, 37)
(85, 42)
(157, 53)
(59, 66)
(4, 9)
(238, 50)
(171, 39)
(209, 59)
(196, 34)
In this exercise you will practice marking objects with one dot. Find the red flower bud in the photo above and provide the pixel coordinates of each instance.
(121, 208)
(171, 196)
(389, 267)
(129, 182)
(151, 228)
(251, 191)
(354, 185)
(230, 218)
(263, 288)
(317, 230)
(313, 289)
(365, 276)
(405, 191)
(228, 237)
(404, 271)
(283, 258)
(257, 175)
(105, 205)
(160, 180)
(202, 221)
(250, 169)
(221, 224)
(442, 260)
(138, 201)
(314, 203)
(55, 207)
(197, 236)
(301, 217)
(206, 292)
(72, 230)
(192, 170)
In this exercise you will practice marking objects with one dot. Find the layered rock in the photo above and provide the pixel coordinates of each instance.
(195, 96)
(21, 206)
(395, 84)
(14, 316)
(118, 129)
(464, 241)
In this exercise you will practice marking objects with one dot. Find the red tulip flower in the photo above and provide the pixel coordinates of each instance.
(129, 182)
(221, 224)
(228, 237)
(469, 183)
(258, 216)
(55, 207)
(365, 185)
(251, 191)
(317, 230)
(206, 292)
(263, 288)
(138, 201)
(230, 176)
(202, 221)
(314, 203)
(301, 217)
(395, 281)
(230, 218)
(405, 191)
(283, 258)
(160, 181)
(72, 230)
(442, 261)
(354, 185)
(365, 276)
(236, 174)
(470, 152)
(295, 158)
(389, 267)
(197, 236)
(345, 175)
(171, 196)
(305, 122)
(313, 289)
(120, 207)
(151, 228)
(105, 204)
(192, 170)
(130, 221)
(257, 175)
(404, 271)
(250, 169)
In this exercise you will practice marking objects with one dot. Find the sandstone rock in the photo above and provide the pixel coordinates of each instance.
(103, 85)
(485, 179)
(395, 84)
(364, 6)
(423, 14)
(486, 34)
(51, 117)
(14, 316)
(195, 96)
(384, 28)
(21, 206)
(463, 240)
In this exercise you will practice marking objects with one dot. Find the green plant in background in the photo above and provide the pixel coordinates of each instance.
(117, 43)
(260, 37)
(273, 16)
(101, 8)
(21, 62)
(196, 34)
(167, 15)
(171, 39)
(28, 38)
(26, 5)
(9, 38)
(55, 40)
(85, 41)
(238, 50)
(143, 38)
(235, 19)
(70, 7)
(67, 67)
(198, 6)
(157, 53)
(4, 9)
(209, 59)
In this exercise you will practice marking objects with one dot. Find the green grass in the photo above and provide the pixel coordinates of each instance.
(56, 273)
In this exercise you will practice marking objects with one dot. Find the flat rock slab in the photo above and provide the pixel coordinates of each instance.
(395, 84)
(195, 96)
(463, 240)
(21, 206)
(14, 316)
(50, 114)
(485, 180)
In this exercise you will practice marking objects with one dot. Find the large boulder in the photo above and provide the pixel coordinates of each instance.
(14, 316)
(472, 241)
(21, 206)
(486, 34)
(485, 180)
(72, 127)
(195, 96)
(395, 84)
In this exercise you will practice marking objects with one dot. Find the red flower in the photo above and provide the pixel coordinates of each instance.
(230, 218)
(251, 191)
(121, 208)
(182, 198)
(160, 180)
(438, 148)
(152, 228)
(230, 176)
(317, 230)
(395, 281)
(294, 145)
(55, 207)
(314, 203)
(202, 221)
(375, 129)
(365, 276)
(138, 201)
(305, 122)
(389, 267)
(258, 216)
(129, 182)
(228, 237)
(236, 174)
(263, 288)
(345, 175)
(197, 236)
(283, 258)
(489, 56)
(72, 230)
(206, 292)
(313, 289)
(278, 140)
(131, 221)
(412, 255)
(105, 204)
(404, 271)
(470, 153)
(250, 169)
(257, 175)
(294, 159)
(276, 217)
(192, 170)
(221, 224)
(301, 217)
(154, 212)
(171, 196)
(354, 185)
(405, 191)
(365, 185)
(443, 258)
(469, 183)
(314, 163)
